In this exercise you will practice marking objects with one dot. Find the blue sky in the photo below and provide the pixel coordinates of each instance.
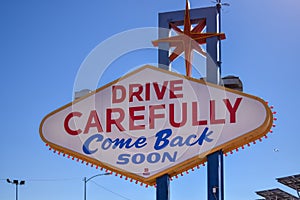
(43, 44)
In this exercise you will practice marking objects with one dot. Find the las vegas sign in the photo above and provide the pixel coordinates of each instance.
(153, 122)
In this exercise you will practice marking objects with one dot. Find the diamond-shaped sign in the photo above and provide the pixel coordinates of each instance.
(153, 122)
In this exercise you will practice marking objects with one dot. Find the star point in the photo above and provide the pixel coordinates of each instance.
(188, 39)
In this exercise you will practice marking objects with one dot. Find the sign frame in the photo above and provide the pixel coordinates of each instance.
(178, 168)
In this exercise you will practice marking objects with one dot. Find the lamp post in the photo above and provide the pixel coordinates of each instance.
(16, 182)
(85, 180)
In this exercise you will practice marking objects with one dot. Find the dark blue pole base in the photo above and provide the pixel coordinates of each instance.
(215, 176)
(163, 188)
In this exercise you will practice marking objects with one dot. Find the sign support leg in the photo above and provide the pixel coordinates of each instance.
(215, 180)
(215, 169)
(215, 160)
(163, 187)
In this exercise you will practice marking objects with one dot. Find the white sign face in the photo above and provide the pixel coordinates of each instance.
(152, 122)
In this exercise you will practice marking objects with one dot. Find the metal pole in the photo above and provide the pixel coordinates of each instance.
(85, 180)
(219, 62)
(215, 176)
(163, 187)
(215, 170)
(221, 172)
(17, 183)
(212, 16)
(17, 190)
(84, 188)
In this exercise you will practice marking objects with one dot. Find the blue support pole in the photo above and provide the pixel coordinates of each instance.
(163, 187)
(215, 169)
(215, 182)
(163, 48)
(213, 64)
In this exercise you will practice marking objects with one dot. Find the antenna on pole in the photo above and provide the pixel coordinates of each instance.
(219, 5)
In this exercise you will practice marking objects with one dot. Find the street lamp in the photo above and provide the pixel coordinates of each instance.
(16, 182)
(85, 180)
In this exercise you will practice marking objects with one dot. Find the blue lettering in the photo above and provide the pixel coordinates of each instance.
(138, 158)
(177, 141)
(167, 155)
(87, 143)
(121, 143)
(153, 157)
(162, 137)
(123, 159)
(204, 136)
(140, 142)
(106, 144)
(188, 139)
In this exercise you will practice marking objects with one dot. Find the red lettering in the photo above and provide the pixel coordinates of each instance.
(117, 121)
(174, 89)
(160, 93)
(134, 117)
(67, 121)
(232, 109)
(195, 121)
(154, 116)
(147, 93)
(213, 119)
(115, 97)
(183, 115)
(93, 121)
(133, 93)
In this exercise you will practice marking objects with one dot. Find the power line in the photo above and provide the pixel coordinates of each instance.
(53, 179)
(48, 179)
(115, 193)
(72, 179)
